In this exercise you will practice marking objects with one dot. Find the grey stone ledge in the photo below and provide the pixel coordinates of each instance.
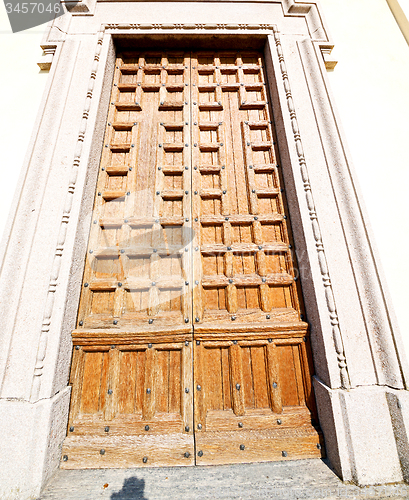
(298, 479)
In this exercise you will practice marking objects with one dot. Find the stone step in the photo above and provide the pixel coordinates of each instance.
(298, 479)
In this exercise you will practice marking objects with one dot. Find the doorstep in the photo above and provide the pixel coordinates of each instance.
(310, 479)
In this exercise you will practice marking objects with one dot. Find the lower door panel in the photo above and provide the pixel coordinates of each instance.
(131, 406)
(251, 400)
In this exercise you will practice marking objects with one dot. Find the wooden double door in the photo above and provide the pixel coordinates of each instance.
(189, 347)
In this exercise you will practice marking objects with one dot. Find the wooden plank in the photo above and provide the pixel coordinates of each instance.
(286, 371)
(260, 376)
(128, 451)
(232, 302)
(258, 446)
(225, 331)
(213, 377)
(244, 248)
(298, 374)
(128, 106)
(273, 378)
(174, 381)
(258, 418)
(241, 218)
(187, 386)
(250, 175)
(236, 377)
(140, 382)
(76, 380)
(161, 381)
(197, 266)
(140, 336)
(149, 396)
(112, 392)
(248, 387)
(282, 279)
(199, 388)
(91, 383)
(227, 396)
(128, 368)
(306, 364)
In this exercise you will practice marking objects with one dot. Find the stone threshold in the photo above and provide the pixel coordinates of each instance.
(298, 479)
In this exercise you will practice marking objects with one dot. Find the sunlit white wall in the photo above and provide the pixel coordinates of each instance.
(370, 85)
(21, 88)
(371, 88)
(405, 7)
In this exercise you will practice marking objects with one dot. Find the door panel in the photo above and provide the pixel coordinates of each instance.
(245, 272)
(125, 391)
(132, 401)
(137, 270)
(250, 359)
(189, 346)
(255, 390)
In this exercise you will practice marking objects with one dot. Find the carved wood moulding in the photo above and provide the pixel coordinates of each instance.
(187, 26)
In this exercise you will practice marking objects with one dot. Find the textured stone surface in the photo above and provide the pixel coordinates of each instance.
(311, 479)
(31, 437)
(359, 434)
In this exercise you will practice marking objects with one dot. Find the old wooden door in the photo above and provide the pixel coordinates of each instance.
(189, 346)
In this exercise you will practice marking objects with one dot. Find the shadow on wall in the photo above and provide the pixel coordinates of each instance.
(132, 489)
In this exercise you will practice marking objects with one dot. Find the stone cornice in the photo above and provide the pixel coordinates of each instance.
(310, 10)
(298, 8)
(200, 28)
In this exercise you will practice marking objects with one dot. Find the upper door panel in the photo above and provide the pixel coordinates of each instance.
(138, 267)
(244, 270)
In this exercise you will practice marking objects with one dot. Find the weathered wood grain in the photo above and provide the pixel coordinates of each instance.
(189, 326)
(258, 446)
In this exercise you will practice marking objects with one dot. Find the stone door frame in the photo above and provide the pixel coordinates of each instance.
(361, 374)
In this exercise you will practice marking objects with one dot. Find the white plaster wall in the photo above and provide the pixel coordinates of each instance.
(370, 88)
(21, 87)
(405, 7)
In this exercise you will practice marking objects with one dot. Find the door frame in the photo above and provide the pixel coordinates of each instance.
(354, 339)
